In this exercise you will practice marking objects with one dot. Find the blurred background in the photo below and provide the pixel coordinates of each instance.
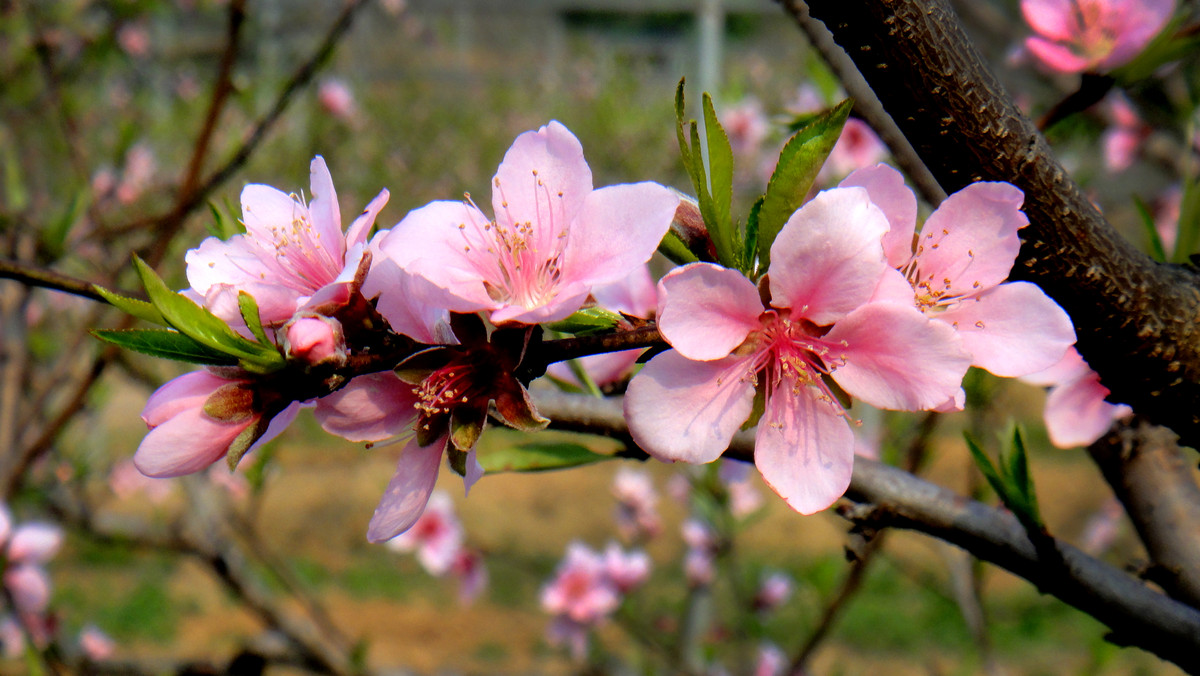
(103, 106)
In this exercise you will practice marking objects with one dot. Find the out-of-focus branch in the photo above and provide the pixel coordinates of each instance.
(1137, 321)
(32, 275)
(888, 497)
(1153, 479)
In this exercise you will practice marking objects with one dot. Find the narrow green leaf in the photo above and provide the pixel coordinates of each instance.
(984, 463)
(1153, 239)
(224, 223)
(249, 309)
(799, 162)
(138, 308)
(54, 237)
(680, 111)
(203, 326)
(1188, 238)
(584, 378)
(166, 344)
(587, 320)
(720, 169)
(750, 246)
(1021, 479)
(1169, 45)
(674, 249)
(538, 456)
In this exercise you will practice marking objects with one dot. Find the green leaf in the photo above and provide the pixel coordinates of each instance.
(225, 223)
(54, 237)
(165, 344)
(684, 149)
(674, 249)
(249, 309)
(1021, 480)
(1188, 237)
(203, 326)
(984, 463)
(138, 308)
(16, 195)
(750, 246)
(799, 162)
(584, 378)
(1154, 240)
(1169, 45)
(720, 176)
(587, 320)
(538, 456)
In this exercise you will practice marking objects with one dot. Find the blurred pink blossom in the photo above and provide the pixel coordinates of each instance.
(581, 590)
(337, 99)
(627, 570)
(771, 660)
(95, 644)
(1092, 35)
(1123, 138)
(637, 511)
(775, 590)
(125, 481)
(746, 125)
(1101, 529)
(858, 146)
(472, 575)
(140, 169)
(698, 563)
(436, 537)
(1077, 413)
(1167, 209)
(739, 480)
(134, 39)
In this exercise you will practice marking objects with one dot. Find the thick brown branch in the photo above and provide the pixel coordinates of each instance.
(1153, 479)
(1136, 320)
(891, 497)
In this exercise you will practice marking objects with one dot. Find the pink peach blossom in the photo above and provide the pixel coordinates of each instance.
(292, 253)
(626, 570)
(637, 511)
(581, 590)
(471, 573)
(337, 99)
(687, 403)
(744, 498)
(95, 644)
(774, 591)
(957, 272)
(1094, 35)
(553, 239)
(1077, 412)
(185, 437)
(746, 125)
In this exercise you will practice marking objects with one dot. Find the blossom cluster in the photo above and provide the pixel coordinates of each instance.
(424, 330)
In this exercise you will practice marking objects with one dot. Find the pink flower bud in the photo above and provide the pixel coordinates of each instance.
(315, 339)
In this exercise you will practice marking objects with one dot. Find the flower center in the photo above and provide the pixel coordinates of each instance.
(296, 253)
(793, 355)
(524, 252)
(937, 295)
(444, 389)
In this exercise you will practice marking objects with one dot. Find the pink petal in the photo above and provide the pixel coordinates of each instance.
(894, 287)
(886, 187)
(706, 310)
(407, 493)
(276, 303)
(264, 209)
(897, 359)
(35, 543)
(804, 449)
(970, 243)
(828, 258)
(323, 208)
(361, 227)
(429, 242)
(1135, 26)
(1054, 19)
(542, 174)
(564, 301)
(1013, 330)
(616, 231)
(233, 261)
(1070, 367)
(406, 301)
(603, 369)
(6, 523)
(679, 409)
(1057, 57)
(1077, 414)
(188, 391)
(369, 408)
(635, 294)
(189, 442)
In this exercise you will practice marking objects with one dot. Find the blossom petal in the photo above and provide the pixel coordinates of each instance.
(360, 228)
(888, 192)
(406, 301)
(679, 409)
(372, 407)
(1077, 414)
(188, 391)
(1053, 19)
(429, 242)
(1013, 330)
(617, 230)
(34, 543)
(233, 261)
(897, 359)
(635, 294)
(970, 243)
(804, 449)
(30, 588)
(407, 493)
(323, 208)
(1070, 367)
(828, 258)
(1056, 56)
(264, 209)
(705, 310)
(187, 443)
(542, 179)
(1135, 26)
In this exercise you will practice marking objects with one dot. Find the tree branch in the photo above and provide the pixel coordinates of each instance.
(890, 497)
(1136, 320)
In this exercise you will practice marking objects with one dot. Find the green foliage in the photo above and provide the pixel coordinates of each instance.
(799, 162)
(538, 456)
(1188, 239)
(225, 223)
(165, 344)
(587, 321)
(1011, 479)
(1153, 239)
(714, 194)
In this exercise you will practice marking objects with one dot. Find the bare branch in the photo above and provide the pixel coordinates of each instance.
(888, 497)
